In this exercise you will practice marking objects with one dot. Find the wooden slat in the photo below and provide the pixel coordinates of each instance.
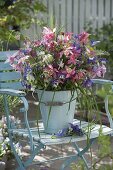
(50, 13)
(63, 14)
(107, 11)
(69, 16)
(94, 14)
(44, 14)
(56, 4)
(5, 76)
(13, 85)
(100, 13)
(112, 9)
(88, 8)
(75, 17)
(81, 15)
(5, 66)
(47, 139)
(5, 54)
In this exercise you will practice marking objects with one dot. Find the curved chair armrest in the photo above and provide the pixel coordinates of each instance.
(13, 92)
(102, 81)
(21, 95)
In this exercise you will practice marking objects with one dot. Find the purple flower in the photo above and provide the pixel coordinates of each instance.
(25, 84)
(26, 51)
(99, 71)
(103, 60)
(54, 83)
(87, 83)
(76, 129)
(92, 60)
(93, 43)
(61, 133)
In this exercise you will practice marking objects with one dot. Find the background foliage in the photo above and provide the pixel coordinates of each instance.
(105, 35)
(16, 15)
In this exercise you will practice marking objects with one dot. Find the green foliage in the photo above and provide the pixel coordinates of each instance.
(105, 35)
(79, 165)
(102, 92)
(12, 101)
(17, 14)
(104, 145)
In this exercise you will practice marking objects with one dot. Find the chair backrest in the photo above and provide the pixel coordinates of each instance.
(9, 78)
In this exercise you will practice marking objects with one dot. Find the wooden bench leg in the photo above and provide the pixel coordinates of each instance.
(80, 154)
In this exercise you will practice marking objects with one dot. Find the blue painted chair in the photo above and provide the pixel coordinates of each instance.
(10, 85)
(106, 100)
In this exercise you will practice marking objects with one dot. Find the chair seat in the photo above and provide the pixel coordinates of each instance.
(47, 139)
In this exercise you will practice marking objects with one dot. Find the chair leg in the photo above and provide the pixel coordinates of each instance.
(33, 154)
(68, 161)
(19, 161)
(108, 113)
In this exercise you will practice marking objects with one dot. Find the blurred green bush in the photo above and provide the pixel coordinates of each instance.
(16, 15)
(105, 36)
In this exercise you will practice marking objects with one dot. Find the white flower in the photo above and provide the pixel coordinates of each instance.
(61, 65)
(30, 77)
(7, 139)
(41, 53)
(47, 58)
(61, 37)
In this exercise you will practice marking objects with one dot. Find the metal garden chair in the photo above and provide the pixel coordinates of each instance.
(10, 85)
(102, 82)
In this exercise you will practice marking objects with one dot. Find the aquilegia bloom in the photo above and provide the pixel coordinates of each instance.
(72, 130)
(59, 61)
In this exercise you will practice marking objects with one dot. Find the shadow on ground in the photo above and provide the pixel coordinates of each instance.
(53, 151)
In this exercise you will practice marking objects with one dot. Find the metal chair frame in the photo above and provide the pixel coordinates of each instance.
(38, 141)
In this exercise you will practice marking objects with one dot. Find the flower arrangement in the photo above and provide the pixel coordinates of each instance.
(59, 61)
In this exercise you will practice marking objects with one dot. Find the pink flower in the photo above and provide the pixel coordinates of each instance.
(103, 70)
(48, 34)
(36, 43)
(18, 67)
(11, 58)
(72, 59)
(50, 71)
(67, 52)
(79, 76)
(100, 71)
(83, 37)
(64, 37)
(69, 72)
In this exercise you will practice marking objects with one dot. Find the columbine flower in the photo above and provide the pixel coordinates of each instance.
(61, 133)
(93, 43)
(83, 37)
(87, 83)
(60, 60)
(99, 71)
(48, 35)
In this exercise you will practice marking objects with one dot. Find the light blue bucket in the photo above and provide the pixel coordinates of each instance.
(57, 109)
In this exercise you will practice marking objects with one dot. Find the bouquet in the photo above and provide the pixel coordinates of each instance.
(59, 61)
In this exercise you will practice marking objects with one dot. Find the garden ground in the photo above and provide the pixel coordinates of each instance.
(50, 152)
